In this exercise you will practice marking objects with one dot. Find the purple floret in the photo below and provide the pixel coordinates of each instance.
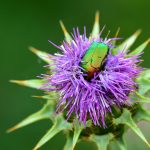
(93, 99)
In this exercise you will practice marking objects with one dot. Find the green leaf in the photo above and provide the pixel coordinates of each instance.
(101, 141)
(120, 142)
(32, 83)
(144, 86)
(69, 141)
(144, 82)
(77, 130)
(96, 27)
(142, 98)
(144, 75)
(53, 95)
(42, 55)
(139, 49)
(126, 119)
(42, 96)
(45, 113)
(73, 137)
(66, 34)
(59, 125)
(142, 114)
(127, 43)
(116, 36)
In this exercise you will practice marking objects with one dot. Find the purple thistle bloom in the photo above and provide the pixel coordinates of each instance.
(93, 99)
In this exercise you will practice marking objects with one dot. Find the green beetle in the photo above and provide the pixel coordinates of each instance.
(94, 58)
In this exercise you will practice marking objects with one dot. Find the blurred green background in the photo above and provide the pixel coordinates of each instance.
(32, 22)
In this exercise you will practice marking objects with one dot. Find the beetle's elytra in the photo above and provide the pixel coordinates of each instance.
(94, 57)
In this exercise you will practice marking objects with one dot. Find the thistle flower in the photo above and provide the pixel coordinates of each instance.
(91, 91)
(96, 87)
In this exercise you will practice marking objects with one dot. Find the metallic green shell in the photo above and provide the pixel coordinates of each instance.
(94, 57)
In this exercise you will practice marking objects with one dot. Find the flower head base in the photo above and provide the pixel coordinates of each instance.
(90, 95)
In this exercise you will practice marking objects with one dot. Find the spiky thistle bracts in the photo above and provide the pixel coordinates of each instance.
(91, 99)
(108, 93)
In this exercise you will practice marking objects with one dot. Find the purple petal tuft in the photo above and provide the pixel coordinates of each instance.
(91, 99)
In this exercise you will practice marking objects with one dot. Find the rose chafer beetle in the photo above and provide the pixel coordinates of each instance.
(94, 58)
